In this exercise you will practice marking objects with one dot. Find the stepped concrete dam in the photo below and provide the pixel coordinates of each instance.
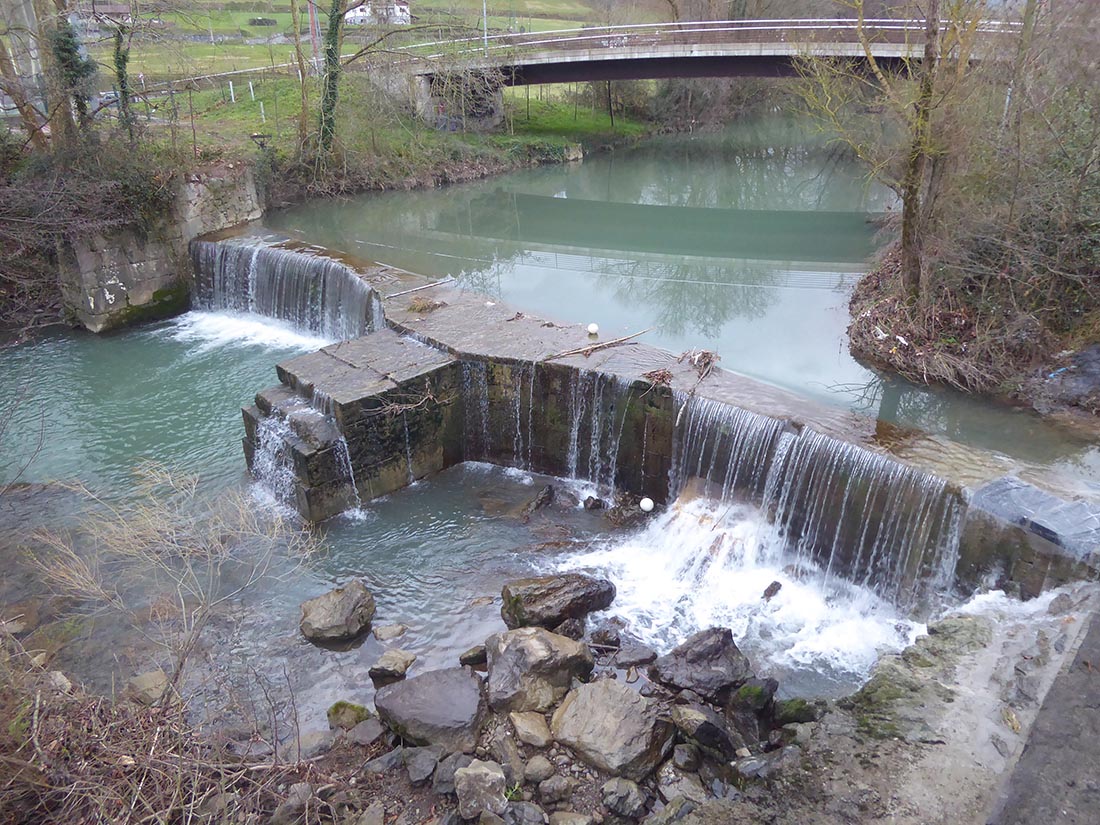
(432, 375)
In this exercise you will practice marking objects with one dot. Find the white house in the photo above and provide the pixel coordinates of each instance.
(379, 12)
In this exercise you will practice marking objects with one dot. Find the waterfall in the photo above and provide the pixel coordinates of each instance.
(272, 465)
(730, 449)
(312, 292)
(844, 509)
(869, 518)
(598, 407)
(477, 445)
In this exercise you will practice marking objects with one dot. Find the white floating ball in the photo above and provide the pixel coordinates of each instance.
(593, 329)
(646, 505)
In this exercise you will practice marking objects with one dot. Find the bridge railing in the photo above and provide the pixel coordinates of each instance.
(800, 30)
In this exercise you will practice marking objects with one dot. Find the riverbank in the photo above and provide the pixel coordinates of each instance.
(963, 343)
(540, 728)
(397, 152)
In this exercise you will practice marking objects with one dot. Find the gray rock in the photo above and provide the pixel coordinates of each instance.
(441, 707)
(386, 762)
(315, 743)
(488, 818)
(538, 769)
(673, 782)
(569, 818)
(720, 812)
(613, 728)
(389, 632)
(292, 809)
(791, 711)
(375, 814)
(147, 688)
(676, 810)
(634, 654)
(366, 733)
(764, 767)
(339, 615)
(444, 780)
(532, 668)
(685, 756)
(754, 696)
(505, 751)
(473, 657)
(707, 729)
(547, 601)
(344, 715)
(623, 797)
(524, 813)
(708, 663)
(531, 729)
(556, 789)
(480, 787)
(391, 667)
(421, 763)
(571, 628)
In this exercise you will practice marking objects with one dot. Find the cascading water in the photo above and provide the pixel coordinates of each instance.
(858, 514)
(866, 517)
(598, 409)
(477, 445)
(728, 448)
(703, 564)
(272, 465)
(310, 291)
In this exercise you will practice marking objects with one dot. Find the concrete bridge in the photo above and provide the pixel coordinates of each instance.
(720, 48)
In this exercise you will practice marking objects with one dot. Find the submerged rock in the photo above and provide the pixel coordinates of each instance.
(614, 729)
(339, 615)
(547, 601)
(708, 663)
(541, 501)
(440, 707)
(389, 632)
(530, 669)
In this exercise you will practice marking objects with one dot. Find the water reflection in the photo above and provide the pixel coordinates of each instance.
(746, 243)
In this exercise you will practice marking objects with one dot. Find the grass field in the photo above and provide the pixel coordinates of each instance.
(201, 37)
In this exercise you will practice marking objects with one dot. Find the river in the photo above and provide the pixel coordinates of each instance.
(745, 243)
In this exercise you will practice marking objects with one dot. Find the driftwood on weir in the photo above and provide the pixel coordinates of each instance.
(591, 348)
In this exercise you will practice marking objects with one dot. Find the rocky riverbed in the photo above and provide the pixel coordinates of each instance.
(537, 727)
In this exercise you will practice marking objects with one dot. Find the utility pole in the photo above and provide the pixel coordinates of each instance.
(485, 24)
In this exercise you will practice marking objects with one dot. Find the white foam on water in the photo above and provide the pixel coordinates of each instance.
(700, 565)
(519, 476)
(210, 330)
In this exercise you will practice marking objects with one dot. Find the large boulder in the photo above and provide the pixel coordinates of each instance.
(708, 663)
(547, 601)
(614, 729)
(440, 707)
(480, 787)
(339, 615)
(532, 668)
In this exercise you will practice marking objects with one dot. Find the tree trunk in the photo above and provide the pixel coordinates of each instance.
(58, 106)
(299, 56)
(330, 86)
(13, 88)
(913, 228)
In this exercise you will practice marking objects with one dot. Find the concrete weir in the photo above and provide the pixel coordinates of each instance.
(449, 376)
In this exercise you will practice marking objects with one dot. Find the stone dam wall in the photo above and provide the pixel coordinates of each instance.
(455, 377)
